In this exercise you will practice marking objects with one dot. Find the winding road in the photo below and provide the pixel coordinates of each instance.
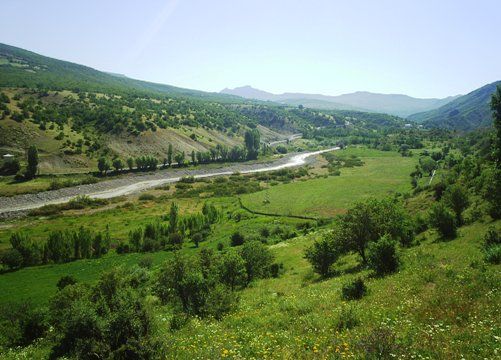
(139, 182)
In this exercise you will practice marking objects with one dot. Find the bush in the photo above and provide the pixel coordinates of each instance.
(382, 256)
(492, 237)
(380, 343)
(12, 258)
(347, 319)
(442, 219)
(178, 321)
(493, 254)
(237, 239)
(10, 167)
(354, 290)
(322, 254)
(66, 281)
(146, 197)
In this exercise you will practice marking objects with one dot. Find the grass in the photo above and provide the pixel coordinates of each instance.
(442, 305)
(384, 173)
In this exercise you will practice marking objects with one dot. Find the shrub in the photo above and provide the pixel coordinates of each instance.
(10, 167)
(492, 237)
(276, 269)
(12, 258)
(442, 219)
(347, 319)
(178, 320)
(65, 281)
(322, 254)
(493, 254)
(220, 246)
(353, 290)
(456, 197)
(382, 256)
(237, 239)
(380, 343)
(146, 197)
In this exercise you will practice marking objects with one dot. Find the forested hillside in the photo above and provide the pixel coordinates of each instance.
(75, 114)
(467, 112)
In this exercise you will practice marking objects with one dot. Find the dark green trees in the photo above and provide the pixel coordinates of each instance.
(252, 139)
(103, 165)
(170, 154)
(496, 114)
(32, 166)
(322, 255)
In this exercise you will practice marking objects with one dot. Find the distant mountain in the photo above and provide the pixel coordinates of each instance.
(394, 104)
(467, 112)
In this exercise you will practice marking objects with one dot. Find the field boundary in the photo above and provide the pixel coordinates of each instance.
(278, 215)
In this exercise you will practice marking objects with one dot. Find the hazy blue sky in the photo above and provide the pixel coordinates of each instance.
(424, 48)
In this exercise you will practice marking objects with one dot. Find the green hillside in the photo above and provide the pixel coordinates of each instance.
(467, 112)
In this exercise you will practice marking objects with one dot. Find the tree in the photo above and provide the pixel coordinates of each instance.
(170, 152)
(257, 259)
(456, 197)
(193, 157)
(130, 163)
(118, 164)
(496, 114)
(382, 256)
(322, 254)
(173, 217)
(180, 158)
(369, 220)
(32, 167)
(442, 219)
(428, 165)
(12, 258)
(252, 140)
(103, 165)
(232, 270)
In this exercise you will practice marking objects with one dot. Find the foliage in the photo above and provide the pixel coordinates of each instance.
(323, 254)
(353, 290)
(382, 256)
(456, 197)
(258, 260)
(32, 166)
(442, 219)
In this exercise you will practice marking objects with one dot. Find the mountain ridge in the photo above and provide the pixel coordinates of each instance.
(465, 113)
(394, 104)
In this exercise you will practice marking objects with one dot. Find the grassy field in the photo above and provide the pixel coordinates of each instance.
(384, 173)
(443, 304)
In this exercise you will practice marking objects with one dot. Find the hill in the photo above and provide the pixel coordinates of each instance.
(75, 114)
(468, 112)
(394, 104)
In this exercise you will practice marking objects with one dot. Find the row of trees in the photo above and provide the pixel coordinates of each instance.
(171, 235)
(60, 246)
(219, 153)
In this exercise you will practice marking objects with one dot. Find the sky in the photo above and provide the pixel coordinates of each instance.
(422, 48)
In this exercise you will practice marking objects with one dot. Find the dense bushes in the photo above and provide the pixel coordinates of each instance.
(442, 219)
(206, 287)
(59, 247)
(111, 319)
(370, 229)
(158, 235)
(492, 245)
